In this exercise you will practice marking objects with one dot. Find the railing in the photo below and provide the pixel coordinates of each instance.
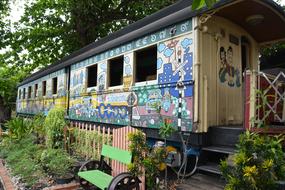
(264, 98)
(271, 97)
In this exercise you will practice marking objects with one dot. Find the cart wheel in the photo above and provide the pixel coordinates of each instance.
(124, 181)
(89, 165)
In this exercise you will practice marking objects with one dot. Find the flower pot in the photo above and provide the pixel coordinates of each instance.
(64, 179)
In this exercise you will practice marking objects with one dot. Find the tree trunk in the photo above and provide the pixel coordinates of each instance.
(5, 111)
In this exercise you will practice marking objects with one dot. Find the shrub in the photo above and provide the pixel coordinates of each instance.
(258, 164)
(54, 124)
(56, 161)
(38, 124)
(147, 158)
(19, 127)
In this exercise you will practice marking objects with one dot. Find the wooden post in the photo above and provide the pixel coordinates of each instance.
(250, 98)
(94, 142)
(98, 143)
(65, 138)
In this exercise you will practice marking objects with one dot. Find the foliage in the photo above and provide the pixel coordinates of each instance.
(19, 127)
(50, 30)
(258, 164)
(145, 157)
(54, 125)
(197, 4)
(84, 144)
(56, 161)
(166, 129)
(21, 157)
(38, 123)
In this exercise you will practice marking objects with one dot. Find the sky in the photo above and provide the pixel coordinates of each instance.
(18, 9)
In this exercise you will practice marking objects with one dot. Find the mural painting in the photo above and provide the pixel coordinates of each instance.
(44, 104)
(101, 78)
(105, 108)
(228, 73)
(157, 102)
(77, 82)
(144, 106)
(128, 71)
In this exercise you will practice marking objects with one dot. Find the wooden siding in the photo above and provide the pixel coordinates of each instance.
(224, 98)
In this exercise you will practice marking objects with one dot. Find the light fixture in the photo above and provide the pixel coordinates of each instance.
(254, 20)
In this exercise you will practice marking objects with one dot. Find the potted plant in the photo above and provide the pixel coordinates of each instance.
(59, 164)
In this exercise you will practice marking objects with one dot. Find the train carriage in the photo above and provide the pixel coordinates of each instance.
(185, 66)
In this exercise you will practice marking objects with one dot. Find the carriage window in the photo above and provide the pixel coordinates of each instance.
(115, 74)
(54, 85)
(146, 61)
(29, 92)
(20, 94)
(44, 88)
(92, 76)
(24, 93)
(36, 90)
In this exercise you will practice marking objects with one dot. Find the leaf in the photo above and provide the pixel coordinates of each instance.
(210, 3)
(197, 4)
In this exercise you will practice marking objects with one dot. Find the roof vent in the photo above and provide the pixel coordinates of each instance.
(254, 20)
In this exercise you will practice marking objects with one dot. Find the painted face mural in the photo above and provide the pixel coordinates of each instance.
(228, 74)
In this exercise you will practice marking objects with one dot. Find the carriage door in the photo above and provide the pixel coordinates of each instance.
(230, 101)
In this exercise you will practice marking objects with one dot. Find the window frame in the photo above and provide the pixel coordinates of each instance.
(44, 88)
(20, 94)
(29, 92)
(24, 93)
(147, 82)
(53, 89)
(36, 87)
(87, 77)
(109, 74)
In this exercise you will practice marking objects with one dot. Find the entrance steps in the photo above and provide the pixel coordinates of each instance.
(222, 142)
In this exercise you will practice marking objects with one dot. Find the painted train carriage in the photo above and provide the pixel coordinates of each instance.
(194, 68)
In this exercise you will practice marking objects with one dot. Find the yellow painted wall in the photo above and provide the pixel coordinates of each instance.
(223, 104)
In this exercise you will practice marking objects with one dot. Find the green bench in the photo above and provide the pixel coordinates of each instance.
(98, 173)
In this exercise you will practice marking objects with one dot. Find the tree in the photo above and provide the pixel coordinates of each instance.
(50, 30)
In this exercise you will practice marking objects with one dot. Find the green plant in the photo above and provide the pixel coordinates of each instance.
(38, 124)
(19, 127)
(54, 124)
(84, 143)
(166, 129)
(264, 100)
(258, 164)
(145, 157)
(56, 161)
(21, 158)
